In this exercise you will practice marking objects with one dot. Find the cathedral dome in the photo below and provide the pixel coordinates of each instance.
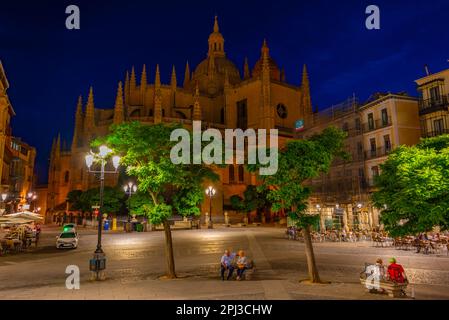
(222, 65)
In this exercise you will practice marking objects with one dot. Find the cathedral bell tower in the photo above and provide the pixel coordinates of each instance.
(216, 42)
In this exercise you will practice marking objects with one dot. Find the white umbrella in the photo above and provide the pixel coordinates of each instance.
(25, 215)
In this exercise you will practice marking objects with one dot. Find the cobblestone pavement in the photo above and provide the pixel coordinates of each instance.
(136, 261)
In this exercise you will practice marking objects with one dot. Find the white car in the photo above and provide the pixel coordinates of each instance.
(67, 240)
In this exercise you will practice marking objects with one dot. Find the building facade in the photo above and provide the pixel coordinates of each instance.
(16, 157)
(216, 92)
(384, 122)
(434, 103)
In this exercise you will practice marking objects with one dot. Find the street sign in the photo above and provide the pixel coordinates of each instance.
(95, 207)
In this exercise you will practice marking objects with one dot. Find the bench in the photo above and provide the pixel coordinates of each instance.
(249, 271)
(393, 289)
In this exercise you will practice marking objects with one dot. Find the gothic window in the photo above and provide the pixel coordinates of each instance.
(163, 112)
(281, 111)
(231, 173)
(222, 116)
(151, 112)
(135, 113)
(241, 173)
(66, 176)
(242, 114)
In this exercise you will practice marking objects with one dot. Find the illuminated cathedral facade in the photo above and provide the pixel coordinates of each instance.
(216, 92)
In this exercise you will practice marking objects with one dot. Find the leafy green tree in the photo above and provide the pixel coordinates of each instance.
(299, 161)
(140, 203)
(113, 199)
(171, 187)
(74, 199)
(254, 198)
(413, 188)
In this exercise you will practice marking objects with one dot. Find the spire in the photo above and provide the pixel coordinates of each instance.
(78, 123)
(306, 101)
(132, 80)
(90, 111)
(118, 108)
(173, 81)
(246, 73)
(157, 79)
(216, 28)
(157, 97)
(143, 78)
(216, 41)
(127, 88)
(267, 114)
(186, 76)
(58, 146)
(196, 104)
(53, 147)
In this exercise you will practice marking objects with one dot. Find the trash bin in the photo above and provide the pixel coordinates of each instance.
(106, 225)
(139, 227)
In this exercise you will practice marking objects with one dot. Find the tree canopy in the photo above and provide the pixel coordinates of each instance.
(413, 187)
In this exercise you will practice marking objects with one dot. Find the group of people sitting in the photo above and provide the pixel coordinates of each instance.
(394, 272)
(231, 260)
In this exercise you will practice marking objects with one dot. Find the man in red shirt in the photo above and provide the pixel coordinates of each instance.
(396, 272)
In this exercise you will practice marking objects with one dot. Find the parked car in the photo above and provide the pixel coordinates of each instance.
(67, 240)
(69, 227)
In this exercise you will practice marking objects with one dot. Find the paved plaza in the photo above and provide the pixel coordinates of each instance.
(136, 262)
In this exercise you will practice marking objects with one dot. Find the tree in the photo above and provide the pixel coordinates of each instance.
(413, 188)
(254, 198)
(171, 187)
(74, 199)
(299, 161)
(113, 198)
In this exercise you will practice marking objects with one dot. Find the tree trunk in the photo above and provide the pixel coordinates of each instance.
(171, 274)
(311, 264)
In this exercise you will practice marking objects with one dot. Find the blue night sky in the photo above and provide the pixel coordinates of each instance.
(48, 66)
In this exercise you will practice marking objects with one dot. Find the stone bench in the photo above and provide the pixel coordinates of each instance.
(393, 289)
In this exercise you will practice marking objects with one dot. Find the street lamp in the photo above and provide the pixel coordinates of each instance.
(210, 192)
(32, 196)
(130, 189)
(98, 263)
(4, 196)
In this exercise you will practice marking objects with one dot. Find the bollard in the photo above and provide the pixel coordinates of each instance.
(114, 224)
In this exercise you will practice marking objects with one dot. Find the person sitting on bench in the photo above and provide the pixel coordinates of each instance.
(227, 264)
(242, 264)
(396, 272)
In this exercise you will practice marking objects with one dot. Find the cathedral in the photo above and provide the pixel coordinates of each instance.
(215, 92)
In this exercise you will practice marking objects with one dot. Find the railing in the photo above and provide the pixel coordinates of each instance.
(376, 124)
(433, 104)
(430, 134)
(376, 153)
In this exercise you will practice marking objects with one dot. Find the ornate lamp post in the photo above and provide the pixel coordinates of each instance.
(130, 189)
(32, 196)
(98, 263)
(210, 192)
(4, 196)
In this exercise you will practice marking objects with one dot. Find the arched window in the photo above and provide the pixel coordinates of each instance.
(241, 173)
(163, 112)
(181, 115)
(66, 176)
(222, 116)
(151, 112)
(231, 173)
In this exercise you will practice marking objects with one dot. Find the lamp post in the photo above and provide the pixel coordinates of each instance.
(98, 263)
(130, 189)
(4, 196)
(32, 196)
(210, 192)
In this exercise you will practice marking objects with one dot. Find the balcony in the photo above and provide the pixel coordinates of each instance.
(430, 134)
(377, 153)
(434, 104)
(376, 124)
